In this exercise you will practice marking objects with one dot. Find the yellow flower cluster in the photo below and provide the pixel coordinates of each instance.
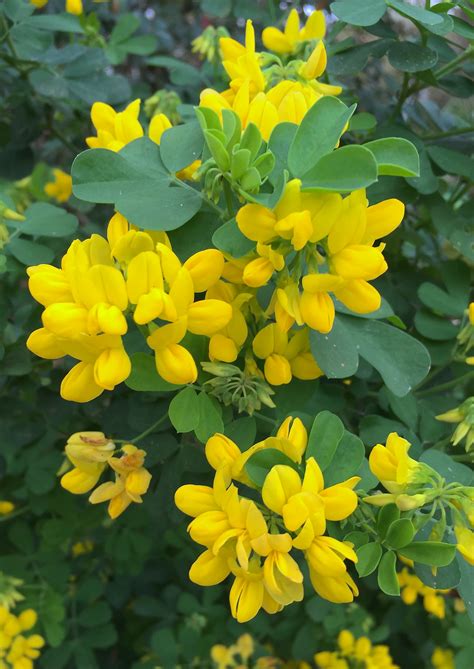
(116, 129)
(411, 588)
(86, 302)
(90, 453)
(268, 97)
(314, 244)
(355, 653)
(61, 187)
(253, 541)
(18, 651)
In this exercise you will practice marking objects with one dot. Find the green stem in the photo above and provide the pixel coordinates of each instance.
(453, 64)
(447, 385)
(209, 202)
(228, 199)
(469, 457)
(14, 514)
(149, 430)
(265, 418)
(448, 133)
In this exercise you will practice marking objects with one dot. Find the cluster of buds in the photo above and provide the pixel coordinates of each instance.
(9, 595)
(234, 387)
(163, 102)
(463, 415)
(91, 453)
(413, 485)
(235, 156)
(206, 45)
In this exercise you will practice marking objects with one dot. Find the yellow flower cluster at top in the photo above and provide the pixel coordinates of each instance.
(18, 651)
(281, 92)
(358, 653)
(411, 587)
(254, 541)
(90, 453)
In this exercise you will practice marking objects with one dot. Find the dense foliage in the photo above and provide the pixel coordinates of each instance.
(236, 251)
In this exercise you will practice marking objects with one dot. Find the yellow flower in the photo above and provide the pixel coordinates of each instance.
(174, 363)
(61, 188)
(285, 357)
(443, 658)
(82, 548)
(355, 652)
(288, 40)
(305, 505)
(392, 465)
(88, 452)
(114, 129)
(465, 542)
(127, 241)
(259, 270)
(131, 482)
(103, 362)
(74, 7)
(226, 344)
(242, 62)
(6, 507)
(39, 3)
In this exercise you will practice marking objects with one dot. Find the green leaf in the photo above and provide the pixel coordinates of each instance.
(435, 327)
(210, 418)
(259, 464)
(144, 377)
(415, 12)
(335, 352)
(358, 13)
(443, 578)
(329, 116)
(440, 301)
(386, 516)
(344, 170)
(357, 538)
(347, 460)
(362, 122)
(395, 156)
(103, 176)
(432, 553)
(401, 360)
(181, 74)
(30, 253)
(243, 431)
(326, 433)
(66, 23)
(136, 181)
(126, 25)
(400, 533)
(229, 239)
(452, 162)
(95, 614)
(410, 57)
(46, 220)
(465, 588)
(182, 145)
(450, 470)
(368, 558)
(387, 575)
(220, 8)
(184, 410)
(279, 144)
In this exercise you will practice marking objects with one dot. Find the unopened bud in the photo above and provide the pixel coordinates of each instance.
(410, 502)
